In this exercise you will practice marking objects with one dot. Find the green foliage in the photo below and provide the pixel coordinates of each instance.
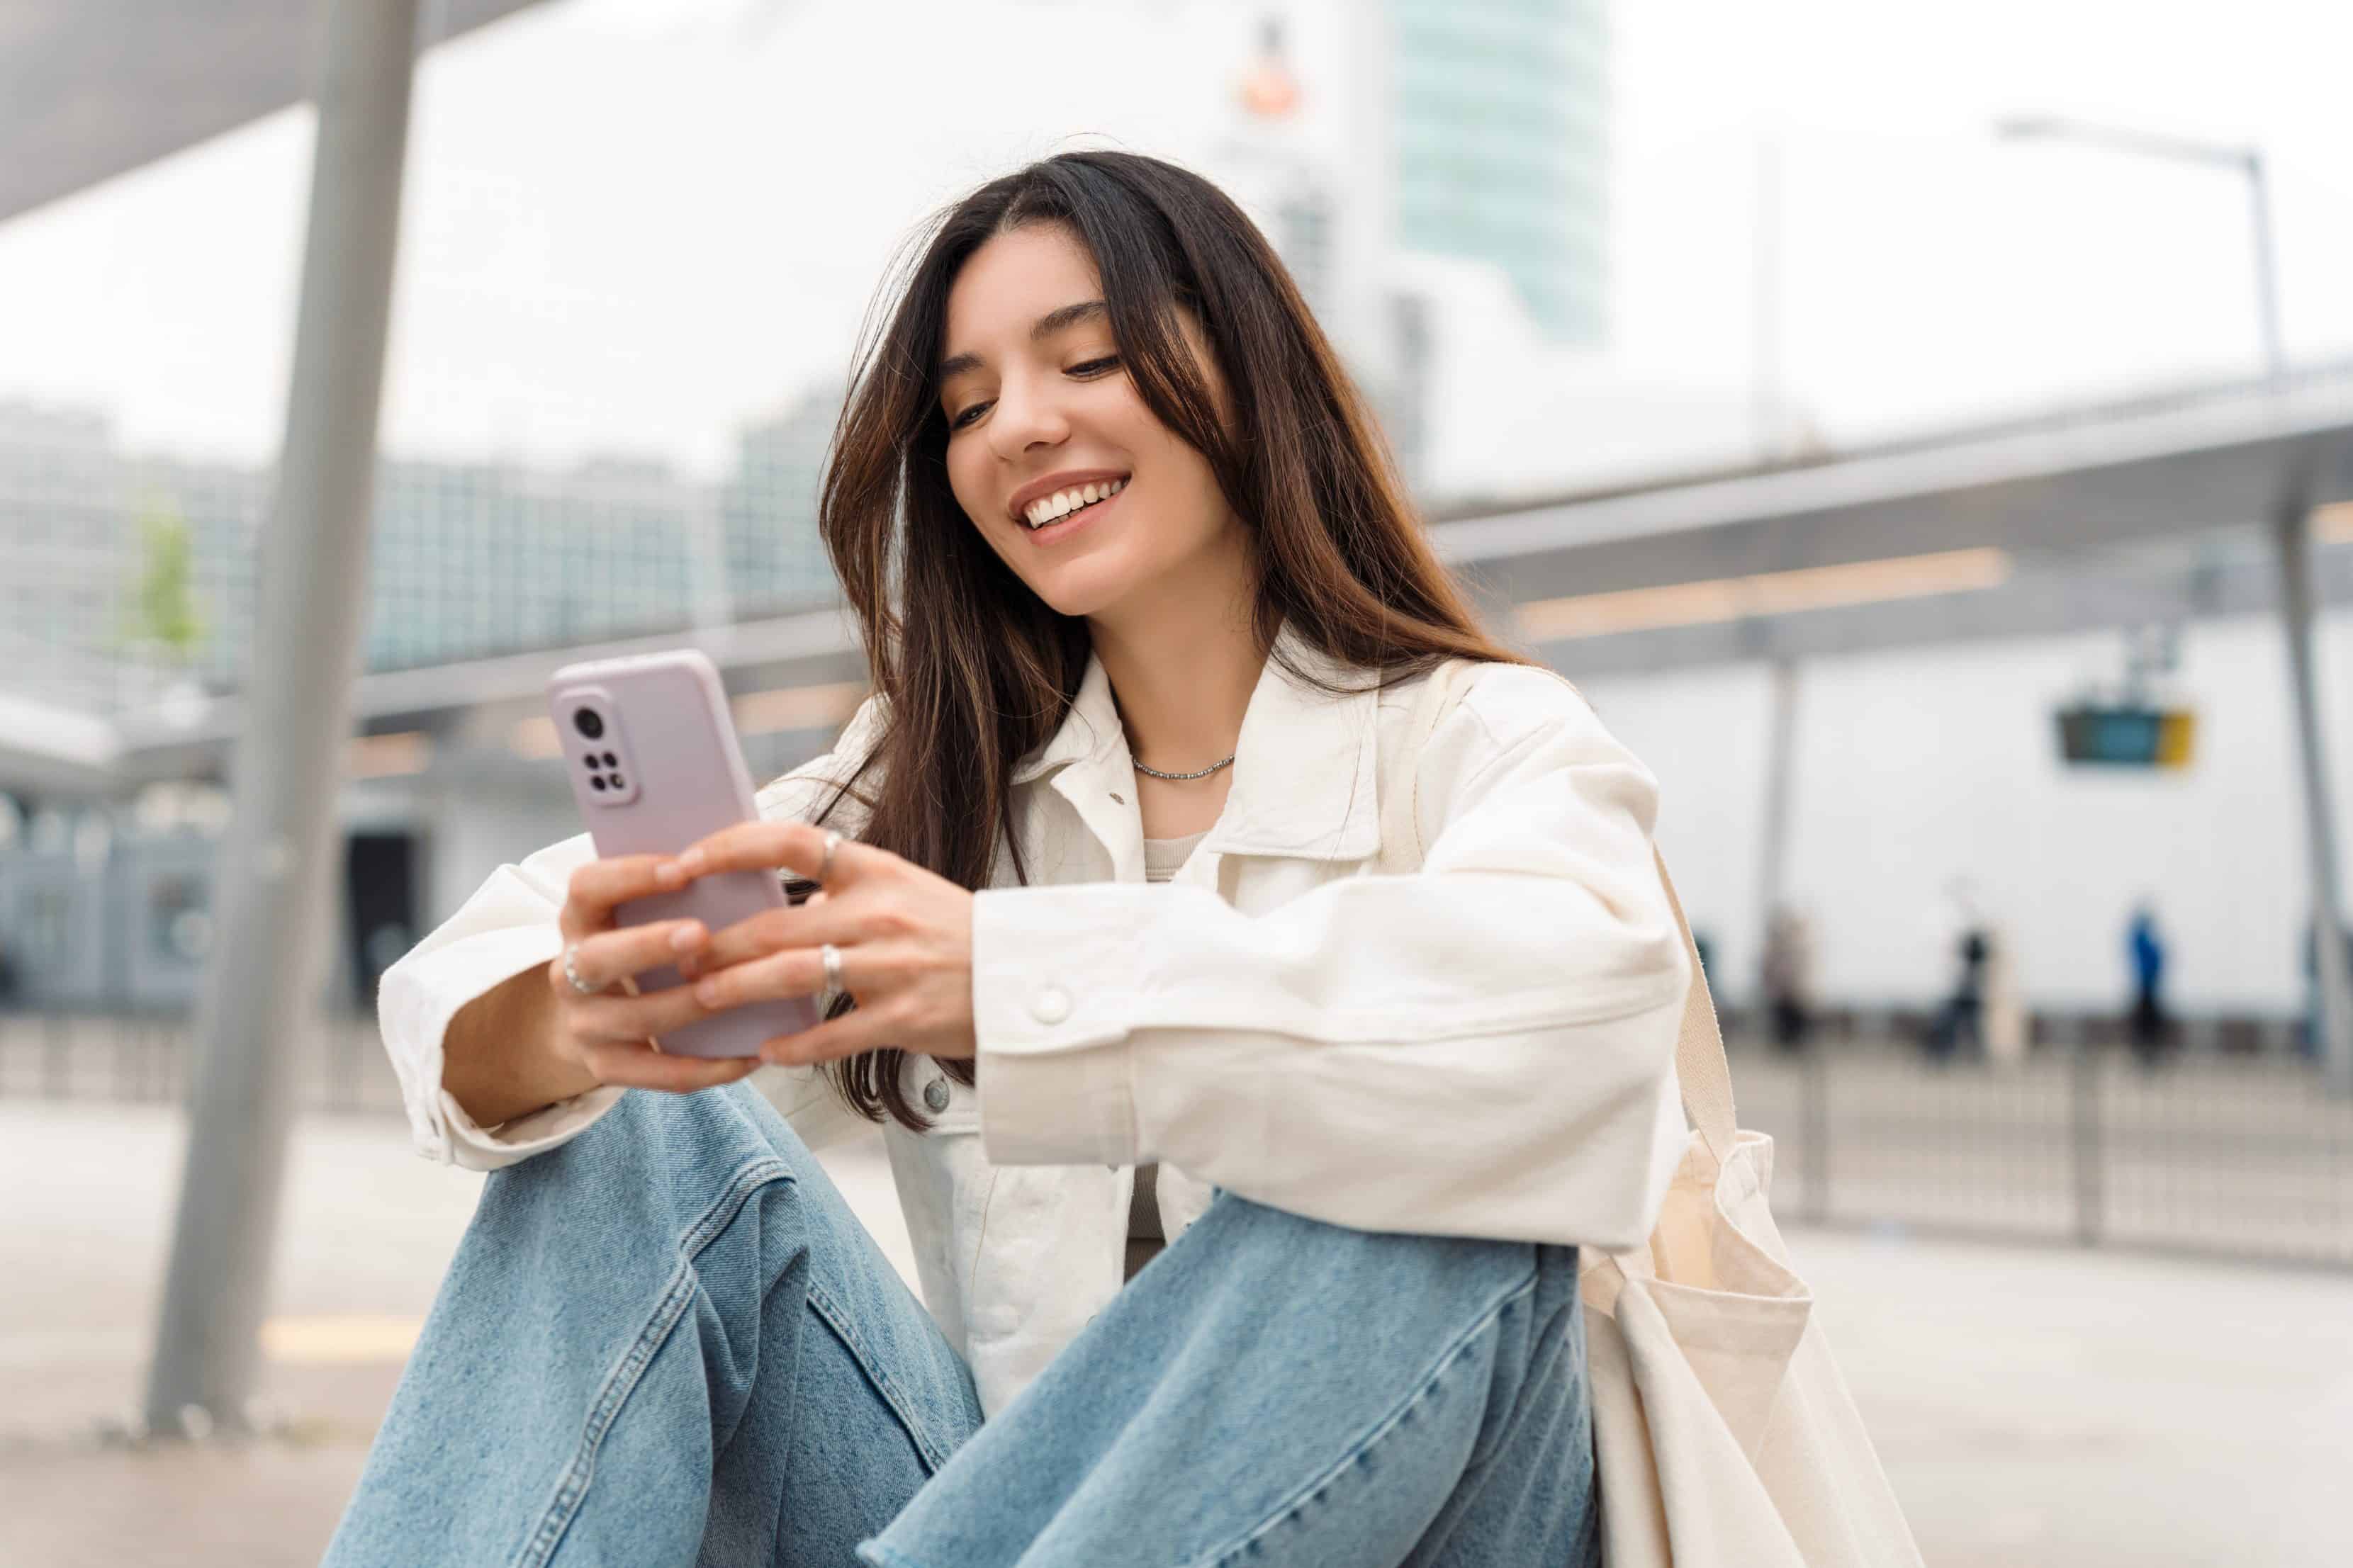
(163, 611)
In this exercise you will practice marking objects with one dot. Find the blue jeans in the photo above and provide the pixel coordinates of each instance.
(669, 1342)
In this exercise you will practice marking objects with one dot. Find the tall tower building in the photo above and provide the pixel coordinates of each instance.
(1499, 148)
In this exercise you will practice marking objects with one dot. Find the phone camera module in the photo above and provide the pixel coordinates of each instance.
(588, 722)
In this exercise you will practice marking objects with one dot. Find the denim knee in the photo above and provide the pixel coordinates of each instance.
(655, 1157)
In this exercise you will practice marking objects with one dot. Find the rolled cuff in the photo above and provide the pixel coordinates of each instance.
(478, 1148)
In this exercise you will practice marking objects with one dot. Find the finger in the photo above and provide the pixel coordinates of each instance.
(629, 1020)
(793, 846)
(610, 956)
(596, 887)
(860, 1030)
(795, 971)
(771, 931)
(636, 1064)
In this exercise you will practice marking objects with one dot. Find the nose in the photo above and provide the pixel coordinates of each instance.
(1028, 416)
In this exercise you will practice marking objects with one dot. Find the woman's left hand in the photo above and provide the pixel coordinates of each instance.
(905, 937)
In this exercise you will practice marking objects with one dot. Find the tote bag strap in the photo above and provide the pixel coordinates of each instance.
(1700, 1068)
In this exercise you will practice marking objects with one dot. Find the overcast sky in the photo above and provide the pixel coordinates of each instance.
(633, 223)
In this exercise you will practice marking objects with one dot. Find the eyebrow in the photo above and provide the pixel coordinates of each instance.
(1044, 326)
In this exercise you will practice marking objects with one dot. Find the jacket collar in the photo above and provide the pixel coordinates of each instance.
(1304, 766)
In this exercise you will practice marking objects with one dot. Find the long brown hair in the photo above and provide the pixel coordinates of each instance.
(973, 669)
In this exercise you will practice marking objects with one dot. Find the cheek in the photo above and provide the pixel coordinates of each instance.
(967, 482)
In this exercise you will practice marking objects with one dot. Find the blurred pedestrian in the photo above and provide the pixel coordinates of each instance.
(2148, 1027)
(1963, 1012)
(1789, 979)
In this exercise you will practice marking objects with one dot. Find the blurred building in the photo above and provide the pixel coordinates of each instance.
(1500, 152)
(121, 563)
(767, 509)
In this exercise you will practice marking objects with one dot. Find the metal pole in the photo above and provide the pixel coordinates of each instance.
(1780, 762)
(1765, 371)
(2292, 529)
(261, 992)
(2259, 205)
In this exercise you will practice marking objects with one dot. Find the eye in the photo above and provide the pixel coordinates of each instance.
(1094, 367)
(959, 421)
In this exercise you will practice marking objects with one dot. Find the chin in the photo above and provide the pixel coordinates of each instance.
(1080, 600)
(1088, 585)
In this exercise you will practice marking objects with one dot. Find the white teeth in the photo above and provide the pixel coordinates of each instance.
(1061, 504)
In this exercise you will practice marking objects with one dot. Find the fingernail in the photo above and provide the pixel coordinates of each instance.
(685, 937)
(708, 993)
(692, 860)
(669, 873)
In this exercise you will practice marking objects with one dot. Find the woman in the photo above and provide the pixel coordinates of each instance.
(1098, 868)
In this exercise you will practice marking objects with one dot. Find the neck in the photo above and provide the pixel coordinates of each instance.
(1182, 674)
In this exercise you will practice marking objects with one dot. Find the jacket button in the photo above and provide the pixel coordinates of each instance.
(1050, 1005)
(935, 1095)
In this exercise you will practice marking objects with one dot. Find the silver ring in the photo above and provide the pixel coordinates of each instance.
(832, 956)
(825, 866)
(571, 973)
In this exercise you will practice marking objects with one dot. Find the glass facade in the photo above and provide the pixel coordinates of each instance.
(469, 560)
(1501, 146)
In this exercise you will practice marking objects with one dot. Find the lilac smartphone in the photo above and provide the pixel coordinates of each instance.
(655, 767)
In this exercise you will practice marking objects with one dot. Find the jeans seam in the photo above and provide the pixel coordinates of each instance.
(1455, 1349)
(840, 1322)
(572, 1486)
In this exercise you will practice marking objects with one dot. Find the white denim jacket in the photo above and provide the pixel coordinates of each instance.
(1482, 1049)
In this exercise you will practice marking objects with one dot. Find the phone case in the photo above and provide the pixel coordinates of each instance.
(655, 767)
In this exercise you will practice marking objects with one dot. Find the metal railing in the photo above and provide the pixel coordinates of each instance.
(2232, 1156)
(145, 1057)
(2235, 1155)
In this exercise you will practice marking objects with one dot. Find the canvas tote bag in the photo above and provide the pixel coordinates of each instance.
(1723, 1431)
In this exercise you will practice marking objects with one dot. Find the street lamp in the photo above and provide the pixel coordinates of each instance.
(2247, 161)
(2291, 534)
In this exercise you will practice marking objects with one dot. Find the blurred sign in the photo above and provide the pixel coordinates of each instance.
(2129, 737)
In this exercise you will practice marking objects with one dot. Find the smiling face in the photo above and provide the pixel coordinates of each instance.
(1051, 453)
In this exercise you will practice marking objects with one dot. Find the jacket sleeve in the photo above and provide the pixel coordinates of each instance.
(1484, 1047)
(509, 926)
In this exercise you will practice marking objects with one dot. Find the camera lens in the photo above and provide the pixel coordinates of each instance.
(588, 722)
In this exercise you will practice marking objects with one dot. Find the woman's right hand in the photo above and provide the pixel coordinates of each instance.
(611, 1034)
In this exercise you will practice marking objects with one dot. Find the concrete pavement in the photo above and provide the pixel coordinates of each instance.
(2033, 1406)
